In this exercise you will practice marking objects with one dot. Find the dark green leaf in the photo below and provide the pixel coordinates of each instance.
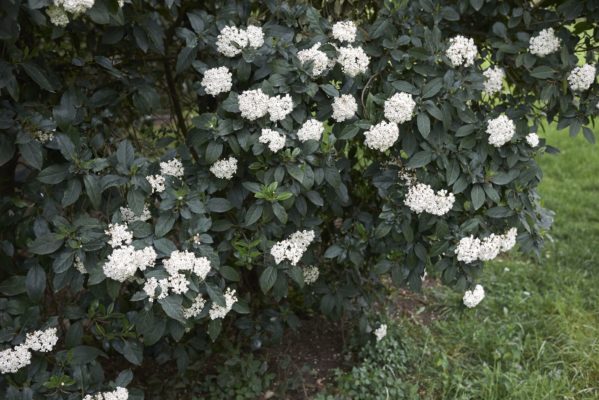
(268, 279)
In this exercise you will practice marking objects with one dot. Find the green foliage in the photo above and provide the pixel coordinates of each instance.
(534, 334)
(89, 110)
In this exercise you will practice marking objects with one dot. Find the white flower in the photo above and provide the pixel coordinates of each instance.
(43, 137)
(461, 51)
(344, 107)
(119, 393)
(500, 130)
(187, 261)
(43, 341)
(172, 167)
(380, 332)
(581, 78)
(311, 274)
(225, 168)
(58, 16)
(217, 311)
(119, 235)
(473, 297)
(544, 43)
(217, 80)
(157, 182)
(319, 59)
(231, 41)
(196, 307)
(253, 104)
(255, 36)
(178, 283)
(399, 108)
(353, 60)
(468, 249)
(13, 359)
(292, 249)
(508, 240)
(129, 216)
(532, 139)
(310, 130)
(422, 198)
(279, 107)
(274, 139)
(123, 262)
(471, 249)
(345, 31)
(75, 6)
(150, 287)
(381, 136)
(490, 247)
(79, 266)
(494, 80)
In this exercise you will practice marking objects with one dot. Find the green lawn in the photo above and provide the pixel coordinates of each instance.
(536, 334)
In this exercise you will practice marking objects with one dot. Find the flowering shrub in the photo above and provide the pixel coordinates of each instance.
(174, 174)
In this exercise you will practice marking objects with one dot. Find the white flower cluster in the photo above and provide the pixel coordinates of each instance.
(310, 130)
(461, 51)
(225, 168)
(123, 262)
(380, 332)
(494, 80)
(279, 107)
(42, 341)
(253, 104)
(58, 16)
(79, 266)
(581, 78)
(119, 235)
(177, 282)
(13, 359)
(473, 297)
(500, 130)
(187, 261)
(196, 307)
(471, 249)
(43, 137)
(353, 60)
(274, 139)
(532, 139)
(544, 43)
(311, 274)
(422, 198)
(344, 107)
(345, 31)
(399, 108)
(319, 59)
(217, 80)
(119, 393)
(172, 167)
(292, 249)
(75, 7)
(157, 182)
(232, 40)
(217, 311)
(381, 136)
(129, 216)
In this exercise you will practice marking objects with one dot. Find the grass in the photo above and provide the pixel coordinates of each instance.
(536, 334)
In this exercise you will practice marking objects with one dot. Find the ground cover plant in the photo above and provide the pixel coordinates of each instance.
(182, 178)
